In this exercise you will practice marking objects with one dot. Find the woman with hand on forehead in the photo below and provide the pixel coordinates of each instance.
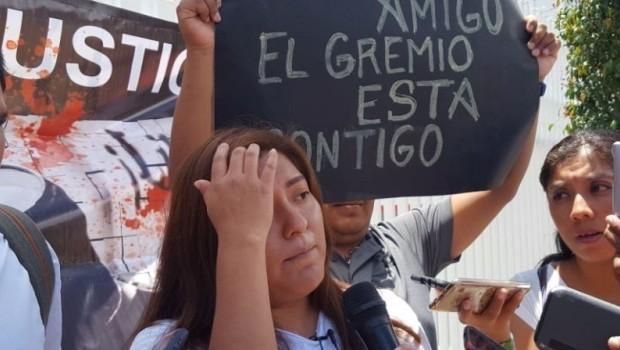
(244, 259)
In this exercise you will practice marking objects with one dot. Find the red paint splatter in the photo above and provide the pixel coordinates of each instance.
(39, 104)
(51, 153)
(26, 131)
(11, 45)
(44, 74)
(28, 89)
(156, 201)
(39, 50)
(160, 227)
(62, 123)
(132, 223)
(44, 43)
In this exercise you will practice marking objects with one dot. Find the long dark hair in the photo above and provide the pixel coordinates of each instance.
(185, 286)
(599, 143)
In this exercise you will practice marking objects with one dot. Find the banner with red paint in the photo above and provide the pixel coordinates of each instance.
(90, 92)
(90, 89)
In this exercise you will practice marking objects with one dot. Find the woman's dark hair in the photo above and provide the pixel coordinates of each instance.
(185, 286)
(598, 142)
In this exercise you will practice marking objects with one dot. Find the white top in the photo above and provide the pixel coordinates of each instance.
(398, 309)
(151, 337)
(20, 320)
(326, 332)
(532, 305)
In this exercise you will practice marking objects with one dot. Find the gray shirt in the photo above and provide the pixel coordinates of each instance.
(418, 242)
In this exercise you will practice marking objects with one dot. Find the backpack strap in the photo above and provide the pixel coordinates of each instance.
(30, 247)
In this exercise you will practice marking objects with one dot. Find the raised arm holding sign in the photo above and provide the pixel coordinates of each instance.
(304, 99)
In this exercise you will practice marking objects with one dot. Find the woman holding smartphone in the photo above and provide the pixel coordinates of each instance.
(577, 177)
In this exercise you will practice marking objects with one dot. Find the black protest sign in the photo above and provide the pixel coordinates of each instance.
(388, 97)
(80, 60)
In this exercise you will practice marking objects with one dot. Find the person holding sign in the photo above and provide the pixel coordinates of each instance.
(421, 242)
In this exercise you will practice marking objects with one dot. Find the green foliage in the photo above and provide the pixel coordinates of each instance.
(591, 31)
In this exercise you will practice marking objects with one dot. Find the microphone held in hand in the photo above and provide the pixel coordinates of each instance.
(365, 310)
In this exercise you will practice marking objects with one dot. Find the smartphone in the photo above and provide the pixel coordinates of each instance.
(615, 151)
(473, 339)
(478, 291)
(576, 321)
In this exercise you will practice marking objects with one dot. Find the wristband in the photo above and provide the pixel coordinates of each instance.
(508, 344)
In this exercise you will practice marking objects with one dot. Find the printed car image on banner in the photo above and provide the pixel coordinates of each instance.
(90, 92)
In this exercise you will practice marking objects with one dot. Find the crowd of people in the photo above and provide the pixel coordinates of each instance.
(252, 257)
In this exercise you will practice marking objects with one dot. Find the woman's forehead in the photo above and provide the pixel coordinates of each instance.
(285, 169)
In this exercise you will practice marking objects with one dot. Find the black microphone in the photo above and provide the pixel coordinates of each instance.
(365, 310)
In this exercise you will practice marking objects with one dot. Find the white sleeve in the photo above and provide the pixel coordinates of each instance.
(529, 310)
(20, 318)
(151, 336)
(53, 331)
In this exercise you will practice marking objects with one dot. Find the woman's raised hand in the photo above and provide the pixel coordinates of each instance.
(239, 197)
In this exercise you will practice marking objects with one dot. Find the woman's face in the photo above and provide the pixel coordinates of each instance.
(580, 197)
(296, 241)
